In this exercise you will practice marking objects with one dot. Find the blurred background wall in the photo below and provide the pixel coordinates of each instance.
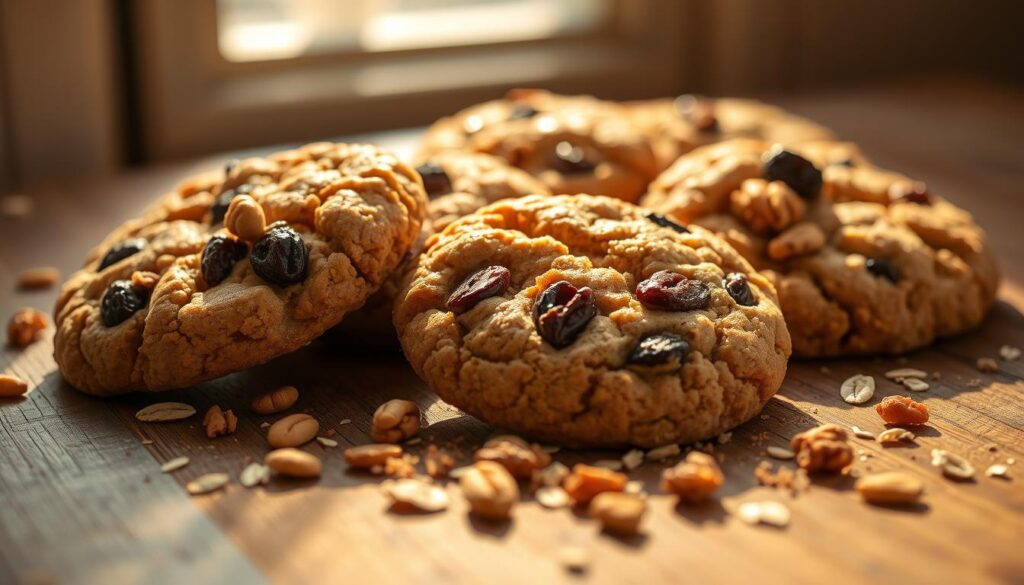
(93, 87)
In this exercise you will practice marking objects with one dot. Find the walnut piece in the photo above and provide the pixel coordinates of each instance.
(219, 422)
(25, 326)
(694, 479)
(823, 448)
(520, 458)
(767, 207)
(394, 421)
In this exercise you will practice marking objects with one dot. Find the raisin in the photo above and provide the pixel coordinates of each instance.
(280, 256)
(120, 301)
(666, 222)
(671, 291)
(522, 112)
(480, 285)
(121, 251)
(222, 201)
(219, 257)
(882, 268)
(794, 170)
(435, 180)
(562, 311)
(919, 196)
(570, 159)
(659, 349)
(739, 289)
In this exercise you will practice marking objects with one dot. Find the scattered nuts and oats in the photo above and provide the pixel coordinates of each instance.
(902, 410)
(857, 389)
(952, 465)
(633, 459)
(293, 430)
(552, 497)
(520, 458)
(619, 513)
(366, 456)
(394, 421)
(165, 412)
(770, 513)
(219, 422)
(24, 327)
(896, 435)
(37, 278)
(890, 488)
(254, 474)
(415, 495)
(823, 448)
(987, 365)
(174, 464)
(694, 478)
(12, 386)
(292, 462)
(586, 481)
(490, 490)
(275, 401)
(663, 452)
(437, 462)
(1009, 353)
(207, 483)
(779, 452)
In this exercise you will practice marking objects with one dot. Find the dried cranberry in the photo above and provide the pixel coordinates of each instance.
(280, 256)
(660, 349)
(435, 180)
(666, 222)
(671, 291)
(120, 301)
(562, 311)
(480, 285)
(883, 268)
(121, 251)
(919, 196)
(219, 257)
(522, 112)
(739, 289)
(223, 200)
(794, 170)
(570, 159)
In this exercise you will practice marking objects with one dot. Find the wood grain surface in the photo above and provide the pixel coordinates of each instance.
(84, 500)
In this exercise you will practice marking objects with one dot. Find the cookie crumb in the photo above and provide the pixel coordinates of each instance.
(987, 365)
(663, 452)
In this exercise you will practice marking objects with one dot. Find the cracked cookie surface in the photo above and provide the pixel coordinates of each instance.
(173, 297)
(526, 315)
(866, 261)
(573, 144)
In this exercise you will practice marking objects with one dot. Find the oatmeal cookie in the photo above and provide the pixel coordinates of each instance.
(235, 268)
(677, 126)
(591, 322)
(866, 261)
(573, 144)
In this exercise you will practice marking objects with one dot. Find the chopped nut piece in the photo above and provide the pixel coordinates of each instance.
(219, 422)
(276, 401)
(862, 434)
(366, 456)
(857, 389)
(987, 365)
(490, 490)
(633, 459)
(36, 278)
(415, 495)
(900, 373)
(331, 443)
(404, 466)
(12, 386)
(663, 452)
(437, 462)
(693, 479)
(165, 412)
(25, 326)
(174, 464)
(293, 430)
(997, 470)
(520, 458)
(952, 465)
(823, 448)
(552, 497)
(1009, 353)
(895, 436)
(619, 513)
(294, 463)
(779, 452)
(783, 478)
(205, 484)
(586, 481)
(394, 421)
(890, 488)
(254, 474)
(613, 464)
(914, 384)
(771, 513)
(553, 474)
(901, 410)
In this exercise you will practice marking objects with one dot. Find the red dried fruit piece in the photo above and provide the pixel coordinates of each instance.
(901, 410)
(482, 284)
(671, 291)
(562, 311)
(739, 289)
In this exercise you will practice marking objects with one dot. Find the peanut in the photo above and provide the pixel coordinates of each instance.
(823, 448)
(293, 430)
(901, 410)
(694, 479)
(25, 326)
(245, 218)
(35, 278)
(219, 422)
(12, 386)
(890, 488)
(585, 482)
(520, 458)
(276, 401)
(619, 513)
(294, 463)
(395, 420)
(367, 456)
(490, 490)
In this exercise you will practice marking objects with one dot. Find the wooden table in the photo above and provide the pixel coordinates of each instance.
(84, 500)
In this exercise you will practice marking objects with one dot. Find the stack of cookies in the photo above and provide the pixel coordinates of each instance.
(580, 271)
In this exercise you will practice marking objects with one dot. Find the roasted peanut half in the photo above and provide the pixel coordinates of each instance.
(490, 490)
(367, 456)
(293, 430)
(245, 218)
(294, 463)
(276, 401)
(394, 421)
(520, 458)
(694, 479)
(12, 386)
(618, 512)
